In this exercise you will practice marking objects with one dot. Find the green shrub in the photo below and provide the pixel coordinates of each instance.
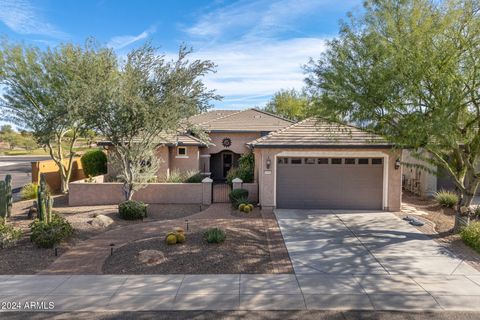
(245, 170)
(29, 191)
(215, 235)
(8, 235)
(471, 235)
(191, 176)
(175, 176)
(46, 235)
(446, 198)
(132, 210)
(94, 163)
(238, 196)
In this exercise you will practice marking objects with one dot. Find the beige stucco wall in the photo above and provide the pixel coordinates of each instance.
(163, 170)
(83, 194)
(239, 141)
(164, 166)
(266, 177)
(181, 163)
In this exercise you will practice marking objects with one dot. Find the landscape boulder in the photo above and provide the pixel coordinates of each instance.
(101, 221)
(151, 257)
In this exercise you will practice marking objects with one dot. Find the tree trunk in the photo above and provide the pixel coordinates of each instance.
(128, 191)
(462, 214)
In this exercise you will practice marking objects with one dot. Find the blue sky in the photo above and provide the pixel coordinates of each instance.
(258, 45)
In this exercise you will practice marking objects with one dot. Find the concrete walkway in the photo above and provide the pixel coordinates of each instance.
(239, 292)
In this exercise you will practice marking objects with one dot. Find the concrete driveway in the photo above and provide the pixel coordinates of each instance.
(360, 257)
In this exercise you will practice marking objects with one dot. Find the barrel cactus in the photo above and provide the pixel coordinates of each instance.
(179, 230)
(241, 207)
(180, 237)
(171, 238)
(246, 209)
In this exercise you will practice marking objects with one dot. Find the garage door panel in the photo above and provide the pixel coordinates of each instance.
(329, 186)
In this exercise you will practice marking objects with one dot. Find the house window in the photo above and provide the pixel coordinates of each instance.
(296, 161)
(282, 160)
(322, 160)
(363, 161)
(182, 152)
(309, 160)
(377, 161)
(349, 161)
(336, 160)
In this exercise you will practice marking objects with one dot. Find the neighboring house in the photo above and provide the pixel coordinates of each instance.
(421, 181)
(310, 164)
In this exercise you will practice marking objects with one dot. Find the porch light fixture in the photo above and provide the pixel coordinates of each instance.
(268, 163)
(397, 164)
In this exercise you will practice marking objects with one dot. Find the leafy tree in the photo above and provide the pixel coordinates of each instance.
(44, 91)
(149, 98)
(410, 71)
(6, 129)
(290, 104)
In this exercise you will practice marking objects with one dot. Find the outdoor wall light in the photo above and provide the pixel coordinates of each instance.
(397, 164)
(268, 163)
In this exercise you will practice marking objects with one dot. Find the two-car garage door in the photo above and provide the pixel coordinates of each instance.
(329, 183)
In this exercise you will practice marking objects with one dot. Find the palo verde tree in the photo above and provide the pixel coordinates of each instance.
(409, 70)
(45, 90)
(290, 104)
(149, 99)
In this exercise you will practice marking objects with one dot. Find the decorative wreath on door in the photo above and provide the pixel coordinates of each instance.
(227, 142)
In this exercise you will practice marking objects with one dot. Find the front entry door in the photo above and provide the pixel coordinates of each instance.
(227, 163)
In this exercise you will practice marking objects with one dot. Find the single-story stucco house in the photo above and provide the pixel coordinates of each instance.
(309, 164)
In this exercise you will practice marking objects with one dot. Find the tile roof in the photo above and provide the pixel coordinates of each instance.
(244, 121)
(210, 115)
(170, 140)
(314, 132)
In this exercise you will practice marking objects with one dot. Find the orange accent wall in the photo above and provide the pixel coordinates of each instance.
(52, 172)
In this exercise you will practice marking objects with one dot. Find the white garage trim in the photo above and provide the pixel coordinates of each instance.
(334, 154)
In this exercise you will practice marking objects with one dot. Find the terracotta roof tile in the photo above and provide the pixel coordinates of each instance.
(246, 120)
(210, 116)
(319, 133)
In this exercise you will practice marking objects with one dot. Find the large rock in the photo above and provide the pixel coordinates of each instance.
(151, 257)
(101, 221)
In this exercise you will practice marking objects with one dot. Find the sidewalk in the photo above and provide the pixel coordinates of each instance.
(238, 292)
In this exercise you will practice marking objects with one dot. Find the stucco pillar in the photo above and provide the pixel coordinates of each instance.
(237, 183)
(207, 191)
(205, 165)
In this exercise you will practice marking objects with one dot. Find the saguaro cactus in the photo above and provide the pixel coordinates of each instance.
(3, 200)
(44, 201)
(8, 183)
(42, 198)
(49, 207)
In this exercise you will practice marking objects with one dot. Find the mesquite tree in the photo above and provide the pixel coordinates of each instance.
(410, 71)
(45, 90)
(150, 98)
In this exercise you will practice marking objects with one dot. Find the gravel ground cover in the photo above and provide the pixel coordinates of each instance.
(26, 258)
(245, 250)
